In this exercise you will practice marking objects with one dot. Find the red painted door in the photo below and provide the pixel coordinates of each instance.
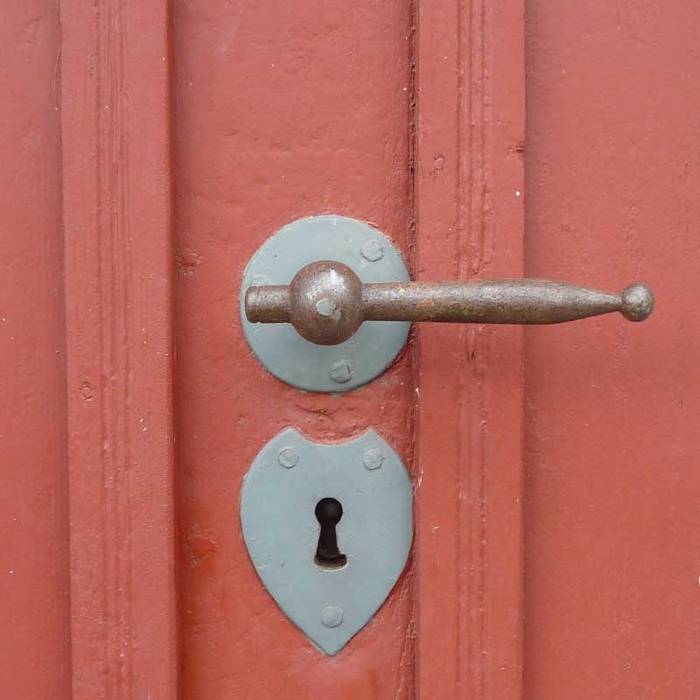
(151, 147)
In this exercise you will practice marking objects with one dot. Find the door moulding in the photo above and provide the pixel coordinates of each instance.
(470, 128)
(115, 113)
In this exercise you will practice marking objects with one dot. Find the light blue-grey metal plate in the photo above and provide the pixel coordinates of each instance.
(291, 358)
(280, 492)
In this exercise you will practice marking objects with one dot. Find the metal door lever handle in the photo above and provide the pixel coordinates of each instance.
(326, 302)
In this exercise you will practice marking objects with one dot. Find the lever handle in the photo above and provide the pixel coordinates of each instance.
(326, 302)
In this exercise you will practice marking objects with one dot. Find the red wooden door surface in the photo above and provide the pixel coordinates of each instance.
(149, 148)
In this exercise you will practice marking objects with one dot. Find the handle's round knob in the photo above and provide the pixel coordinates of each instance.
(325, 302)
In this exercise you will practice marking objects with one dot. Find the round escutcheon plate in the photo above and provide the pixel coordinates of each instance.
(283, 352)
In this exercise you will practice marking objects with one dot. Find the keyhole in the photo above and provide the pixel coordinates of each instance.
(328, 513)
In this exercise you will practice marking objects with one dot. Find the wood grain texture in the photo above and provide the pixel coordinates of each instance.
(613, 408)
(282, 110)
(34, 583)
(469, 204)
(116, 199)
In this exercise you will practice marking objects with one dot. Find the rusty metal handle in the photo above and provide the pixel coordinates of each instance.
(326, 302)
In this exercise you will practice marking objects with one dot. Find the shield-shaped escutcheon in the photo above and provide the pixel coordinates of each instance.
(328, 528)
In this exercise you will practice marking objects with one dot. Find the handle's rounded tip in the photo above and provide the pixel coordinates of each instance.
(637, 302)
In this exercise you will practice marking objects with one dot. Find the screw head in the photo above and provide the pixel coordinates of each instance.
(331, 616)
(326, 307)
(373, 459)
(288, 458)
(372, 250)
(341, 372)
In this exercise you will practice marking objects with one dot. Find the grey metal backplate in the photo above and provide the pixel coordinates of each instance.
(291, 358)
(280, 492)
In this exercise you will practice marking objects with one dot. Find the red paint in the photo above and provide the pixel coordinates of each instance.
(470, 133)
(612, 460)
(313, 118)
(118, 260)
(34, 583)
(411, 116)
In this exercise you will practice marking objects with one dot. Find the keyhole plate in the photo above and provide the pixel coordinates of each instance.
(285, 483)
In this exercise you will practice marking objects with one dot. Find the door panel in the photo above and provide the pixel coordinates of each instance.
(281, 111)
(409, 115)
(34, 583)
(613, 175)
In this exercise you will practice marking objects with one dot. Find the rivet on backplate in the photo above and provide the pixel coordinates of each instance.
(373, 458)
(341, 371)
(372, 251)
(331, 616)
(288, 458)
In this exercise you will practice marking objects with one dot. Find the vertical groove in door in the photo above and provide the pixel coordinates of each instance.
(469, 212)
(117, 241)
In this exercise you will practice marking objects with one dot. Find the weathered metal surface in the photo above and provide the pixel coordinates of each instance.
(326, 302)
(328, 528)
(318, 361)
